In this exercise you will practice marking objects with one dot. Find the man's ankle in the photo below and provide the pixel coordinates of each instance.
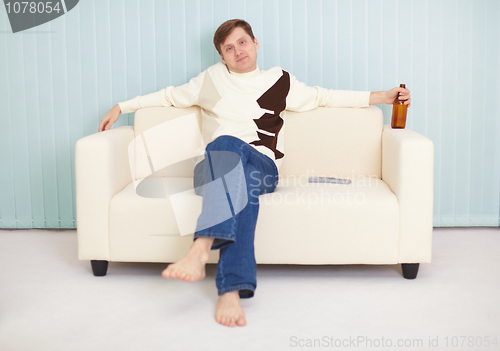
(203, 243)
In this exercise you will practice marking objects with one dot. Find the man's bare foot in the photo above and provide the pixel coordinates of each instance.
(191, 267)
(228, 310)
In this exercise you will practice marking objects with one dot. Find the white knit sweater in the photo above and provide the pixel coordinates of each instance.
(250, 106)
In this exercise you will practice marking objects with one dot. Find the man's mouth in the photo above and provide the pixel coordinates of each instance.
(240, 59)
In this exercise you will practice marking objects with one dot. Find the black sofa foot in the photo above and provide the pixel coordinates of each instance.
(99, 268)
(410, 270)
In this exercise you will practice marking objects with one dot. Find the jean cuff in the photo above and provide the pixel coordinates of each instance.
(221, 240)
(246, 291)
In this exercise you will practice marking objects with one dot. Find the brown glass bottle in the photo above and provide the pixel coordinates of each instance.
(399, 113)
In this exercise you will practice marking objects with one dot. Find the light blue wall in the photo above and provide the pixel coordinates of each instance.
(59, 79)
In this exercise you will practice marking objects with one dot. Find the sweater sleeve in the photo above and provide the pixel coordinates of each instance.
(303, 98)
(182, 96)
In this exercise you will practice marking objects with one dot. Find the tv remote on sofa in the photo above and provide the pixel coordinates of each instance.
(329, 180)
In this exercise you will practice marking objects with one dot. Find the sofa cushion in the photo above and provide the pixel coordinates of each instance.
(356, 223)
(325, 223)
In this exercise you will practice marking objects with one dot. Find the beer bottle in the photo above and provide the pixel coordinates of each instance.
(399, 113)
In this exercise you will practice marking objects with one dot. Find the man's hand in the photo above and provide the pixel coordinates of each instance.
(390, 96)
(403, 93)
(110, 118)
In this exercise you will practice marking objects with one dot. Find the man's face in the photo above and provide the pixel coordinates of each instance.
(239, 51)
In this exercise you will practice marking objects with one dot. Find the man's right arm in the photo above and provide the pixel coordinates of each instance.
(183, 96)
(156, 99)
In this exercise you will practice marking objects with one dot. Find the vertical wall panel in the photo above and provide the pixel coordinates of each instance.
(418, 45)
(328, 46)
(75, 93)
(193, 51)
(178, 42)
(103, 54)
(491, 128)
(33, 126)
(478, 110)
(436, 104)
(374, 45)
(237, 9)
(359, 45)
(299, 47)
(344, 46)
(132, 51)
(207, 28)
(148, 47)
(62, 144)
(403, 38)
(449, 115)
(286, 35)
(464, 105)
(91, 115)
(162, 45)
(48, 128)
(405, 52)
(314, 52)
(59, 79)
(7, 191)
(270, 38)
(18, 122)
(118, 55)
(389, 21)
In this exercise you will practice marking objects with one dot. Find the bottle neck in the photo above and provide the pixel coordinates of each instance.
(399, 102)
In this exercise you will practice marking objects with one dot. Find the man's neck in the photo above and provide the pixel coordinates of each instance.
(246, 74)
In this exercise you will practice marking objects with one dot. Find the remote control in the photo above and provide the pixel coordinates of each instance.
(329, 180)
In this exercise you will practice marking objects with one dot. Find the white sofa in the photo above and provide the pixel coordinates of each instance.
(383, 217)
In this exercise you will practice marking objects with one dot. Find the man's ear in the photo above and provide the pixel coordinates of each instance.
(222, 59)
(256, 43)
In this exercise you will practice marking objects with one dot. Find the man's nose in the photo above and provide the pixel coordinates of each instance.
(238, 51)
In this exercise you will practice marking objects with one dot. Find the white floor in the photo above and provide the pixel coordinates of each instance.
(49, 300)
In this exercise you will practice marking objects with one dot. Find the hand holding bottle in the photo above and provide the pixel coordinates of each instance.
(399, 93)
(390, 96)
(400, 105)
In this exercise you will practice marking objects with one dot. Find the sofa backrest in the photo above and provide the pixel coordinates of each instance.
(148, 120)
(341, 142)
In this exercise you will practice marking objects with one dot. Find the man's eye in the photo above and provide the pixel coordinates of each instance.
(242, 42)
(227, 49)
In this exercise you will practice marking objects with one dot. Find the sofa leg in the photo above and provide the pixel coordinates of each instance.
(410, 270)
(99, 268)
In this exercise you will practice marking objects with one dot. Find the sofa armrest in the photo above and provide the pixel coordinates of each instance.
(101, 171)
(408, 169)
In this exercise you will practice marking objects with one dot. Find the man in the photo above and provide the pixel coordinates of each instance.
(242, 110)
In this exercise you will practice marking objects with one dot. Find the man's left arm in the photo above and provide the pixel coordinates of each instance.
(303, 98)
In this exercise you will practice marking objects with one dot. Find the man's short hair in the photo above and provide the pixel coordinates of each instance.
(226, 28)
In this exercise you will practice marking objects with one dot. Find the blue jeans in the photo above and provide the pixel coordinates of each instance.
(230, 179)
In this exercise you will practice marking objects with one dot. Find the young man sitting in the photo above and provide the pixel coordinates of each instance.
(243, 112)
